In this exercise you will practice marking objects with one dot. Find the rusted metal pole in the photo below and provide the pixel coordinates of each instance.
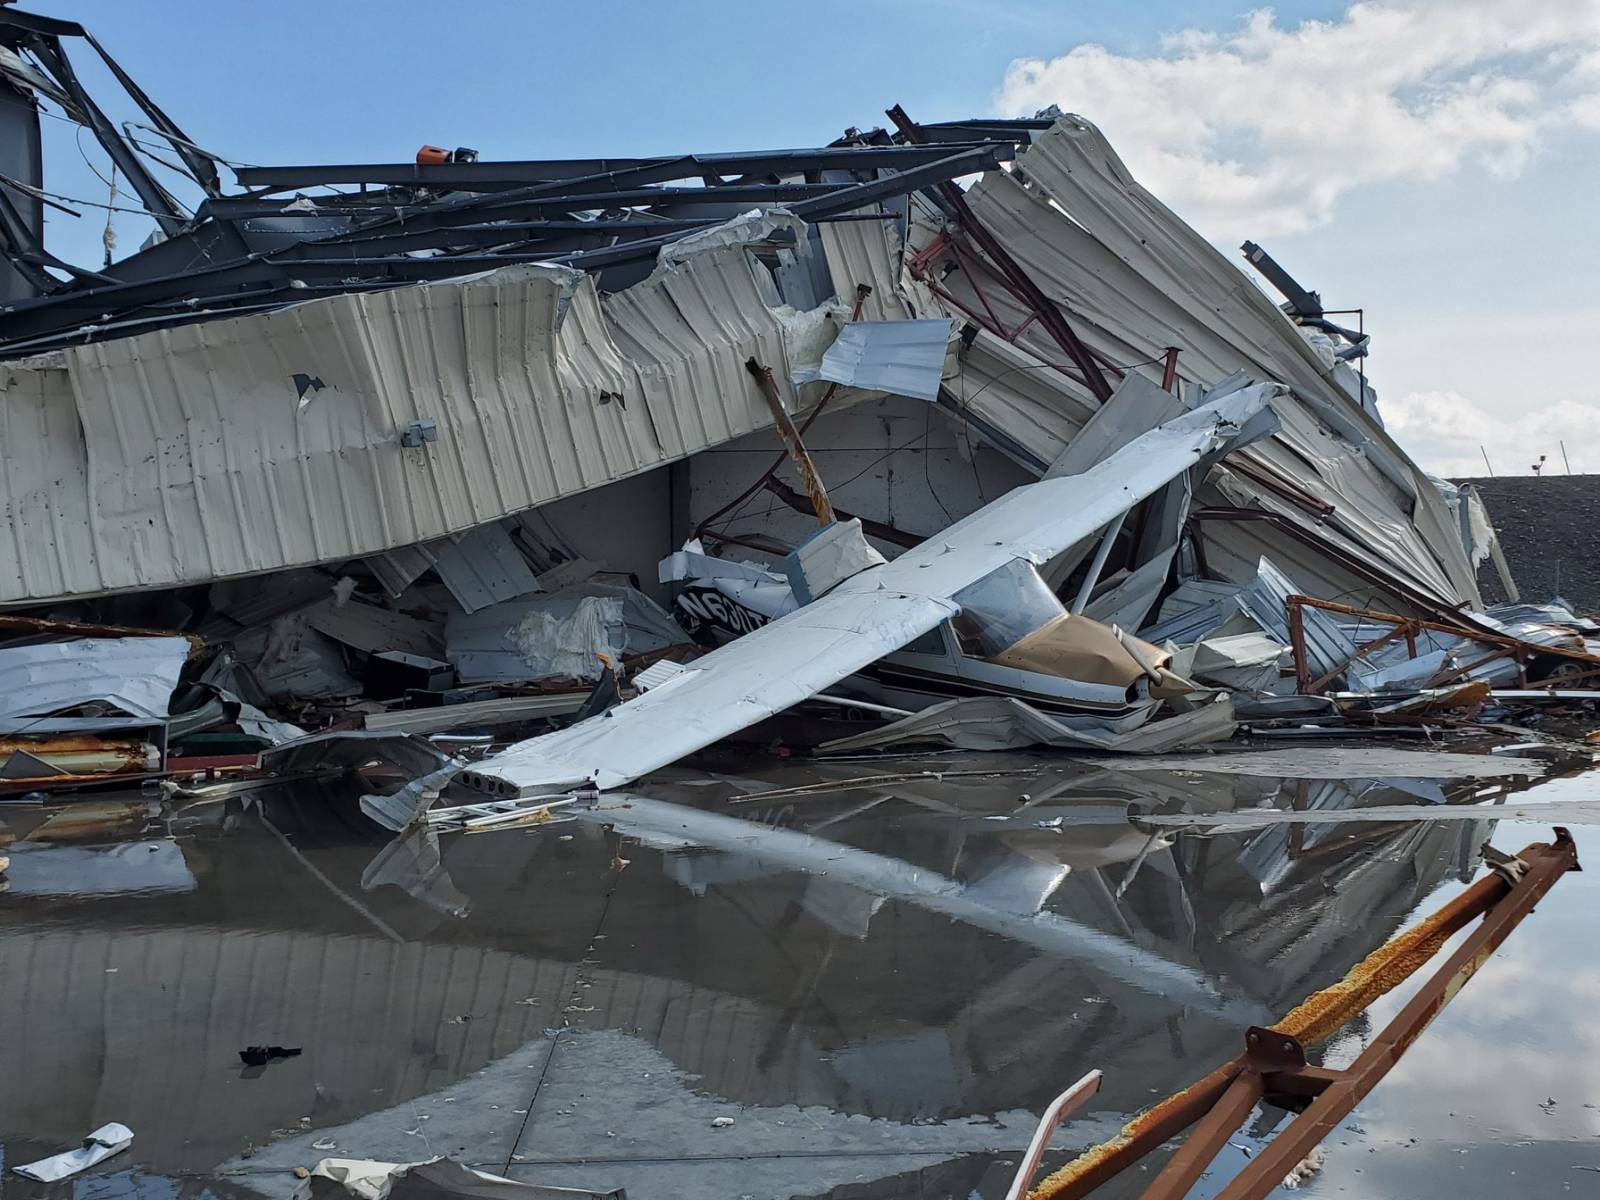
(1169, 374)
(1297, 642)
(862, 292)
(803, 465)
(1206, 1139)
(1139, 1136)
(1274, 1063)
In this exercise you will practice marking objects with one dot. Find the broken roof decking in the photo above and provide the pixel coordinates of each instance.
(190, 454)
(1135, 280)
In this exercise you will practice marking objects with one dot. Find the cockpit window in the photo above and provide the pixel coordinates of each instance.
(1002, 608)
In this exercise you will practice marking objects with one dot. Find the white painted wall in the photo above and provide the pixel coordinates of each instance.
(876, 458)
(936, 474)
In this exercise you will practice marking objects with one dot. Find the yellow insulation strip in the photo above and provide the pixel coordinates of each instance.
(1316, 1018)
(1324, 1013)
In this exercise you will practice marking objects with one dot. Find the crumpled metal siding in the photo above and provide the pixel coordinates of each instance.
(199, 459)
(1122, 279)
(1074, 165)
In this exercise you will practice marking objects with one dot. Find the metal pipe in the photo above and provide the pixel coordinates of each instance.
(1097, 564)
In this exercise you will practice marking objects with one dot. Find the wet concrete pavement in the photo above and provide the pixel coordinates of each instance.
(880, 985)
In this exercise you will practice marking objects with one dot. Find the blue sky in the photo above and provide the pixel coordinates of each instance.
(1434, 162)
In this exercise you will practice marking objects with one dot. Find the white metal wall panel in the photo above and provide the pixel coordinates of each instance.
(45, 547)
(191, 454)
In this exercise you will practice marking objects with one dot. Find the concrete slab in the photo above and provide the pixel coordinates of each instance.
(478, 1119)
(613, 1111)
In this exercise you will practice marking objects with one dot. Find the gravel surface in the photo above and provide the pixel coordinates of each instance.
(1549, 528)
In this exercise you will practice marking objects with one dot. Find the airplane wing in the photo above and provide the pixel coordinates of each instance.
(867, 616)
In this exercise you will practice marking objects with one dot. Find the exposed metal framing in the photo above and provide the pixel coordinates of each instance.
(593, 214)
(1044, 308)
(1502, 645)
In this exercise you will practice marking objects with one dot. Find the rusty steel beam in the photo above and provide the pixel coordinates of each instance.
(1207, 1139)
(1542, 866)
(1273, 1065)
(1169, 373)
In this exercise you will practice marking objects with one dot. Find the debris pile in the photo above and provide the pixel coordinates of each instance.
(462, 449)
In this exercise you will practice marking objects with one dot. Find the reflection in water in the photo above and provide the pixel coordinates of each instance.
(941, 948)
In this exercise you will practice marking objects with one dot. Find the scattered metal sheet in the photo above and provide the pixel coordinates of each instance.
(351, 750)
(645, 376)
(483, 567)
(436, 1179)
(133, 675)
(502, 711)
(369, 628)
(398, 569)
(288, 660)
(100, 1145)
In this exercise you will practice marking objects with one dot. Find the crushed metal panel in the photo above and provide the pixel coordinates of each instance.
(862, 619)
(1001, 387)
(905, 358)
(1327, 645)
(483, 567)
(370, 629)
(1006, 723)
(134, 675)
(396, 570)
(869, 253)
(1074, 167)
(1123, 310)
(290, 660)
(1136, 406)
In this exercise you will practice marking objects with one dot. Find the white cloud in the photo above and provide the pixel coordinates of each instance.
(1448, 434)
(1261, 130)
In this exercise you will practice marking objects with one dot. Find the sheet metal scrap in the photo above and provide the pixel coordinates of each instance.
(1273, 1064)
